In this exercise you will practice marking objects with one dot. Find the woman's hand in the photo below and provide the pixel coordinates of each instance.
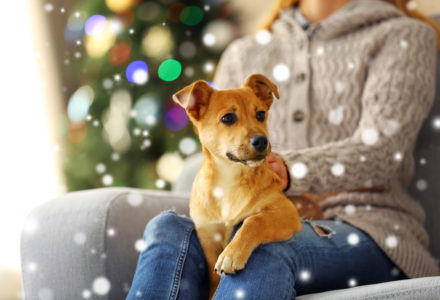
(277, 164)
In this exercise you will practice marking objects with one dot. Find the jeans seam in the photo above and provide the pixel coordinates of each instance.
(179, 267)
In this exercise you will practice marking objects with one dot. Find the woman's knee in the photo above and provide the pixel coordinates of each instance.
(167, 224)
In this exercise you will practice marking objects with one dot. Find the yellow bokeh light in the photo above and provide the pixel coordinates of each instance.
(157, 42)
(97, 45)
(119, 5)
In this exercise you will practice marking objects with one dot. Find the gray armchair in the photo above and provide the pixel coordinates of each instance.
(84, 246)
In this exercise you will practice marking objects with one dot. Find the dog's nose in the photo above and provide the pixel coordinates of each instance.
(259, 143)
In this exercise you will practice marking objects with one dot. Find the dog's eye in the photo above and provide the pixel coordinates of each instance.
(261, 115)
(229, 119)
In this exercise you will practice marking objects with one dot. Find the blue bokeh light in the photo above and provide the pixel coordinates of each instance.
(95, 25)
(79, 103)
(136, 68)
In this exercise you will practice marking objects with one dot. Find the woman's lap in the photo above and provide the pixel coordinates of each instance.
(173, 263)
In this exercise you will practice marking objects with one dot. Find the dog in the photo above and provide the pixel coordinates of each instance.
(234, 183)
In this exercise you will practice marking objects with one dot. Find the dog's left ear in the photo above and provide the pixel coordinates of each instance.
(194, 98)
(262, 87)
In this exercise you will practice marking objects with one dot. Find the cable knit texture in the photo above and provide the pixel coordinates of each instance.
(354, 93)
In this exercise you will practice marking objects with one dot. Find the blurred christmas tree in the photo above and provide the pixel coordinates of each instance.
(122, 127)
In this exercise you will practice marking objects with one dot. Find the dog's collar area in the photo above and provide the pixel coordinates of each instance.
(250, 162)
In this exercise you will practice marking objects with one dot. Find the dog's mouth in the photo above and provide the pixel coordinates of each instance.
(253, 162)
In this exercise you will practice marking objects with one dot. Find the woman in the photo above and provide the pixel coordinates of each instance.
(356, 80)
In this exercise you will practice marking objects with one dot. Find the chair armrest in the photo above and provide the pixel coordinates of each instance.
(89, 234)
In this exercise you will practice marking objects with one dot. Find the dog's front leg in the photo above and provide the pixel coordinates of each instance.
(211, 237)
(276, 223)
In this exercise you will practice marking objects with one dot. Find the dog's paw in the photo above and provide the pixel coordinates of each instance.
(231, 261)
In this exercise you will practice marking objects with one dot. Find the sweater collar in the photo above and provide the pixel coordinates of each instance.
(355, 14)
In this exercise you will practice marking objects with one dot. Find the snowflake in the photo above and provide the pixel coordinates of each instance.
(369, 136)
(404, 44)
(80, 238)
(111, 232)
(304, 275)
(320, 51)
(391, 241)
(187, 145)
(421, 184)
(396, 226)
(436, 123)
(239, 294)
(398, 156)
(100, 168)
(298, 170)
(336, 115)
(352, 282)
(395, 272)
(423, 161)
(101, 286)
(281, 72)
(217, 192)
(263, 37)
(95, 123)
(362, 158)
(390, 127)
(353, 239)
(350, 209)
(135, 198)
(86, 294)
(160, 183)
(107, 83)
(48, 7)
(209, 39)
(138, 293)
(218, 237)
(206, 7)
(350, 65)
(140, 245)
(131, 31)
(140, 76)
(32, 267)
(338, 169)
(107, 179)
(208, 67)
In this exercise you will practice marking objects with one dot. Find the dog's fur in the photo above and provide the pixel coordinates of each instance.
(234, 183)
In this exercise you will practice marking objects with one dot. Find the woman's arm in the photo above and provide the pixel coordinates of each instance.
(398, 94)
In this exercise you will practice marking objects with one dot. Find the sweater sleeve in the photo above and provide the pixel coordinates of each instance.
(398, 93)
(229, 69)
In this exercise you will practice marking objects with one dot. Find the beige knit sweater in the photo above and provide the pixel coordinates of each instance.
(354, 93)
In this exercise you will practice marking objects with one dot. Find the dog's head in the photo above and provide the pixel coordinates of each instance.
(231, 124)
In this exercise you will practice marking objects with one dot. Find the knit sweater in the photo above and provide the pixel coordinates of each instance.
(354, 91)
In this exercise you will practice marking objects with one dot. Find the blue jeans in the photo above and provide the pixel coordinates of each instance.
(173, 265)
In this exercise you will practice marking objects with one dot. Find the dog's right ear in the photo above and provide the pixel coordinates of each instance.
(194, 98)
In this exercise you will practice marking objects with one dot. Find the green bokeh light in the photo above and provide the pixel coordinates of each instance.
(191, 15)
(169, 70)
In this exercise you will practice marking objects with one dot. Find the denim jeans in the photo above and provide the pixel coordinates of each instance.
(173, 266)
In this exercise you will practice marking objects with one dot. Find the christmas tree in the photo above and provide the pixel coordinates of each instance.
(122, 127)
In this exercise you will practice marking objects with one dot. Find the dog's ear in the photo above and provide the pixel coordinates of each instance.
(262, 87)
(194, 98)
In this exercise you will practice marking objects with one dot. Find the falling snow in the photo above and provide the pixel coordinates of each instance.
(160, 183)
(369, 136)
(338, 169)
(421, 184)
(101, 286)
(391, 241)
(352, 282)
(298, 170)
(336, 116)
(353, 239)
(304, 275)
(140, 245)
(263, 37)
(86, 294)
(239, 294)
(45, 294)
(135, 199)
(350, 209)
(80, 238)
(217, 192)
(281, 72)
(100, 168)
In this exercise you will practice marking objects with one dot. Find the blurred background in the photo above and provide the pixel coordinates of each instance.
(86, 90)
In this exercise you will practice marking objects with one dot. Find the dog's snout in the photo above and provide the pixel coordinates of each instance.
(259, 143)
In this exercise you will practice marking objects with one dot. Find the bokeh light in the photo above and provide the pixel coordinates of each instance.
(218, 34)
(191, 15)
(99, 43)
(79, 103)
(148, 11)
(169, 166)
(176, 119)
(119, 5)
(74, 29)
(187, 49)
(137, 72)
(174, 11)
(119, 54)
(170, 70)
(125, 18)
(157, 42)
(95, 25)
(146, 110)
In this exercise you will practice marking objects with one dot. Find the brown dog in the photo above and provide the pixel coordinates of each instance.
(234, 183)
